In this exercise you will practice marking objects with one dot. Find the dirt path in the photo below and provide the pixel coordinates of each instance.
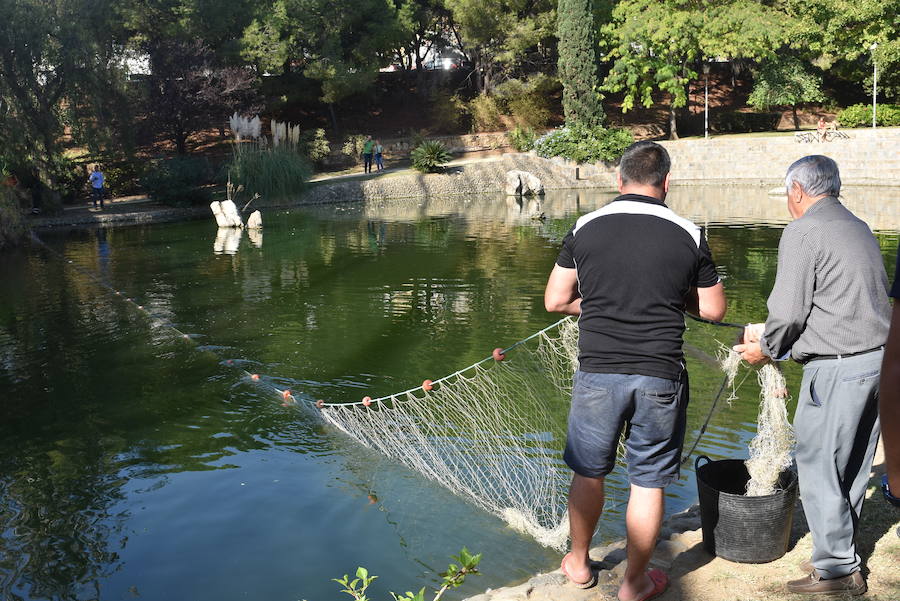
(695, 575)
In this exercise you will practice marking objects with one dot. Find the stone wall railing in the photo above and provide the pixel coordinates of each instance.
(867, 157)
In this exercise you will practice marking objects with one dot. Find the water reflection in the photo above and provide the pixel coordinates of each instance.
(124, 449)
(228, 239)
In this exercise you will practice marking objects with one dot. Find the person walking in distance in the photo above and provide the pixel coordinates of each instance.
(378, 149)
(97, 181)
(829, 311)
(628, 271)
(368, 147)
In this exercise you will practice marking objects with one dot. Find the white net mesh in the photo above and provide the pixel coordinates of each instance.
(492, 433)
(771, 448)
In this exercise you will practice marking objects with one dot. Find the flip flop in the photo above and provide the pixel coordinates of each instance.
(660, 583)
(591, 582)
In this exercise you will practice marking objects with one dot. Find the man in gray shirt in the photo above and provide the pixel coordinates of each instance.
(829, 309)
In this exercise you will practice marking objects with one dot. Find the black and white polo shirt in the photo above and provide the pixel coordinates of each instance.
(636, 261)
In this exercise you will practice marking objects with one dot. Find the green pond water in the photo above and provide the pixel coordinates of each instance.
(137, 464)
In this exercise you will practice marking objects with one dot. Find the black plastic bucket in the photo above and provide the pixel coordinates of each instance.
(737, 527)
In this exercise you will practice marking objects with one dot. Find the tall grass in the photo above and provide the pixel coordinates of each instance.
(270, 172)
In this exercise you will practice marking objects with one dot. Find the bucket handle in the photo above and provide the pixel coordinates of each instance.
(697, 461)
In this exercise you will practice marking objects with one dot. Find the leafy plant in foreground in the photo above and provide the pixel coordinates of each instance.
(429, 156)
(456, 573)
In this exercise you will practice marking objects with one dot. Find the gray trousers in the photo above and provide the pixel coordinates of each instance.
(837, 429)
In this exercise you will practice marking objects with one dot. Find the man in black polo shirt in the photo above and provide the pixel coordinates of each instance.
(629, 270)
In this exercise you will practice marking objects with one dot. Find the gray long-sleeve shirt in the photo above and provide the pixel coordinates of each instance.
(831, 291)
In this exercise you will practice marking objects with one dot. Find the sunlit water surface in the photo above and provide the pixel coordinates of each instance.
(136, 464)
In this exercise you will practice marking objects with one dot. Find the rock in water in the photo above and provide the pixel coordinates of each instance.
(523, 183)
(254, 222)
(231, 214)
(533, 183)
(216, 208)
(513, 183)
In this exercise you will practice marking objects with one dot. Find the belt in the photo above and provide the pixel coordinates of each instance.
(842, 356)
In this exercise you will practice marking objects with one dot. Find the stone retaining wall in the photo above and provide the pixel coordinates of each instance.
(868, 157)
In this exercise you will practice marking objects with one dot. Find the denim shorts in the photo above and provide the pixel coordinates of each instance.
(654, 411)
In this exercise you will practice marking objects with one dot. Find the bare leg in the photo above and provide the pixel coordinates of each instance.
(642, 521)
(585, 507)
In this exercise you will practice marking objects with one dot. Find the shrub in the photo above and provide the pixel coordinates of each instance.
(739, 122)
(521, 139)
(447, 112)
(123, 176)
(179, 181)
(271, 173)
(353, 146)
(485, 113)
(584, 144)
(429, 157)
(315, 145)
(12, 225)
(531, 111)
(528, 101)
(861, 115)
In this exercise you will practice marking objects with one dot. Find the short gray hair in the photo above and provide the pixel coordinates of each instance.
(816, 174)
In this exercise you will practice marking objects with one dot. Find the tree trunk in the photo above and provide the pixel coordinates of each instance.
(673, 128)
(796, 118)
(334, 125)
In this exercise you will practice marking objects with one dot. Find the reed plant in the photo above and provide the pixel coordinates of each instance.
(269, 172)
(275, 170)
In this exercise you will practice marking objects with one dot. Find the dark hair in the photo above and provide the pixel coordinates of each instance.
(645, 163)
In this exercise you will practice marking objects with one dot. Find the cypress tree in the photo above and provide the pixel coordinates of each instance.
(578, 63)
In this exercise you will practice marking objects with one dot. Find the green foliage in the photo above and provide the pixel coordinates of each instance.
(353, 146)
(858, 115)
(272, 173)
(123, 177)
(740, 122)
(502, 35)
(447, 112)
(455, 575)
(485, 113)
(522, 139)
(528, 101)
(584, 144)
(840, 35)
(356, 588)
(314, 144)
(12, 225)
(429, 156)
(179, 181)
(578, 63)
(50, 60)
(785, 81)
(656, 45)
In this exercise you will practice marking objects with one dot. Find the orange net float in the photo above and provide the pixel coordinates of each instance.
(288, 399)
(366, 401)
(427, 385)
(254, 377)
(498, 354)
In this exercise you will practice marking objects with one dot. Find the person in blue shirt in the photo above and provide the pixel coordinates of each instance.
(97, 180)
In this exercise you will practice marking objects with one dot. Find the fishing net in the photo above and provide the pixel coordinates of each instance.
(771, 448)
(492, 433)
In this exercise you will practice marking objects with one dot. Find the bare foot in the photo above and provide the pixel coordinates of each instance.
(648, 586)
(578, 572)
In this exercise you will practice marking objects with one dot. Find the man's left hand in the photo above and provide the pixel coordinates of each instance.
(752, 353)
